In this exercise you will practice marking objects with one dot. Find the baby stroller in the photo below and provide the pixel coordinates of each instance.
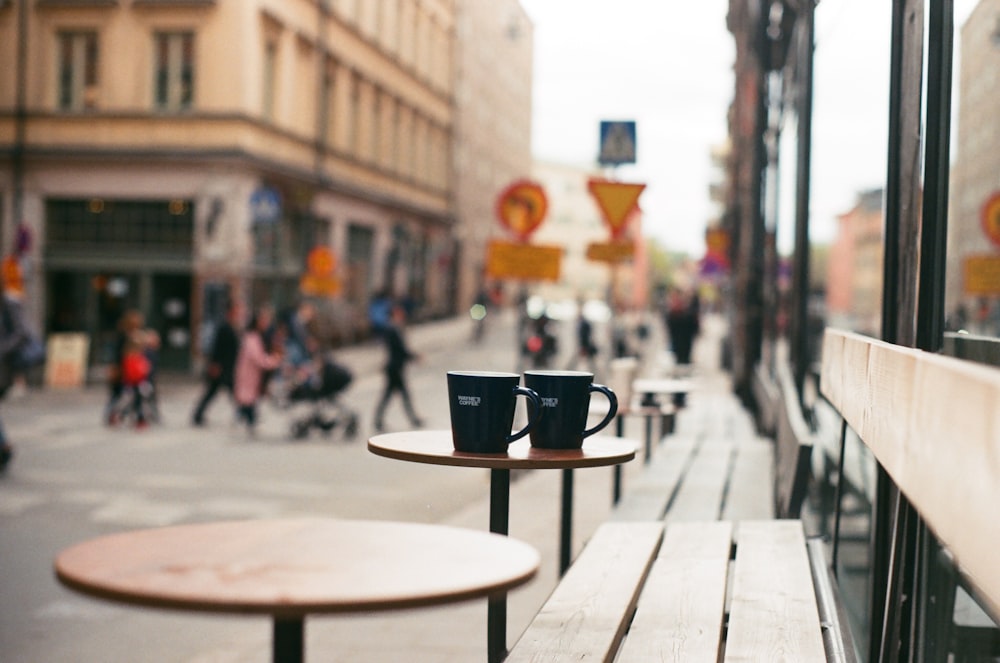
(312, 397)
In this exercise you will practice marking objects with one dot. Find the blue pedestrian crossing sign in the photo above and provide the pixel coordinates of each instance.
(617, 142)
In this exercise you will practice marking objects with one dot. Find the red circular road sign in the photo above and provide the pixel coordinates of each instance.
(991, 218)
(522, 207)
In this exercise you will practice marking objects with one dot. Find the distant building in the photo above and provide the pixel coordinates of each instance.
(167, 155)
(975, 176)
(854, 267)
(492, 125)
(573, 222)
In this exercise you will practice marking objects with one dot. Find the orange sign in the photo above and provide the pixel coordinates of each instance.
(991, 218)
(321, 261)
(529, 262)
(613, 252)
(617, 201)
(717, 245)
(522, 207)
(981, 275)
(10, 273)
(319, 279)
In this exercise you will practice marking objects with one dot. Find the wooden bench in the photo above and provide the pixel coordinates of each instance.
(713, 466)
(694, 591)
(933, 424)
(794, 442)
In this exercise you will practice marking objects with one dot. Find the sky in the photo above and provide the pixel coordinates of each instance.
(668, 66)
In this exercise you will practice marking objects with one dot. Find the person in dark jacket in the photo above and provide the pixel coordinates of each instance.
(13, 332)
(221, 361)
(398, 355)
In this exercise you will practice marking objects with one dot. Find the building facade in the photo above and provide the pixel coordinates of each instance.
(854, 267)
(491, 126)
(972, 298)
(166, 155)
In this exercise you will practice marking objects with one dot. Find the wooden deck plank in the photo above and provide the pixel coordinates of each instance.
(588, 613)
(751, 484)
(680, 613)
(773, 613)
(702, 487)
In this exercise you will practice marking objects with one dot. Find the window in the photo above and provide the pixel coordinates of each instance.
(270, 69)
(164, 225)
(174, 75)
(77, 70)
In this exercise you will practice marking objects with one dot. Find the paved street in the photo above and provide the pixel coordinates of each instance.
(73, 479)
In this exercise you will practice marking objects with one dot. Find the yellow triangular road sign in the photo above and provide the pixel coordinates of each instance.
(617, 201)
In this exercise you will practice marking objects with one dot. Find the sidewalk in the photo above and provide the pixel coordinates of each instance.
(455, 634)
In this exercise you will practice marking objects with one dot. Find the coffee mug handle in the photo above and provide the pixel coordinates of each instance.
(533, 412)
(612, 409)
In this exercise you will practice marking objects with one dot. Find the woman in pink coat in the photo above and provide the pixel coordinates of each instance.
(252, 362)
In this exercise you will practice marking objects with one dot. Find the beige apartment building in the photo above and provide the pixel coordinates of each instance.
(167, 154)
(491, 126)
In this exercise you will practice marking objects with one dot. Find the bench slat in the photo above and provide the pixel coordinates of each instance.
(680, 613)
(933, 422)
(700, 495)
(649, 493)
(587, 614)
(751, 495)
(773, 613)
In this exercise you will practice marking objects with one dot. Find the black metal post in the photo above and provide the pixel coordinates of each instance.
(649, 437)
(800, 351)
(20, 116)
(838, 495)
(566, 524)
(934, 225)
(288, 640)
(616, 487)
(927, 586)
(496, 607)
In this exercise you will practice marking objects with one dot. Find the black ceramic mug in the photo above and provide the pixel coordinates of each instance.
(565, 397)
(482, 410)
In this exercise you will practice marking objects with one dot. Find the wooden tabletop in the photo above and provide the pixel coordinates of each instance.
(295, 567)
(435, 447)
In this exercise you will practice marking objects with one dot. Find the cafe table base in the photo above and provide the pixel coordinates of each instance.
(435, 447)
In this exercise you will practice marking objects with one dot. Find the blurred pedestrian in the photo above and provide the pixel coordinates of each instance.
(221, 360)
(131, 335)
(398, 355)
(586, 348)
(540, 345)
(683, 324)
(253, 360)
(297, 342)
(380, 312)
(14, 333)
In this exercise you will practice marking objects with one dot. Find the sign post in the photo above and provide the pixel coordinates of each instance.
(521, 208)
(617, 143)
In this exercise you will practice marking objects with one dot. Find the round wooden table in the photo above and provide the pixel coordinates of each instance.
(295, 567)
(435, 447)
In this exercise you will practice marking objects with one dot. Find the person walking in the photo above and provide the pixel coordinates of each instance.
(586, 348)
(682, 321)
(253, 360)
(398, 355)
(131, 333)
(13, 333)
(221, 360)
